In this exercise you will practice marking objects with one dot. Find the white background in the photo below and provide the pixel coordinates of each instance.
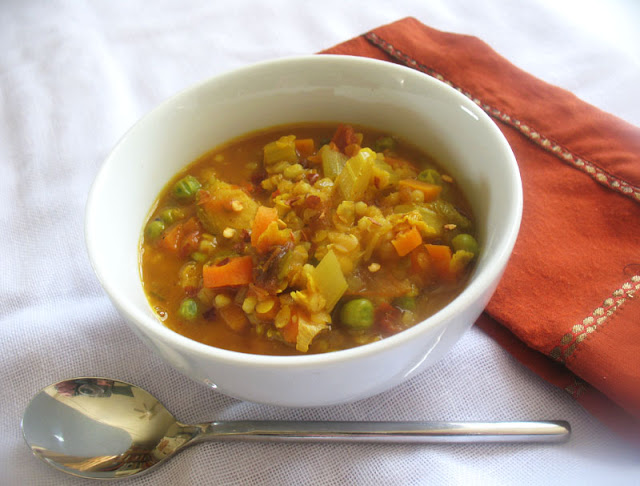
(74, 76)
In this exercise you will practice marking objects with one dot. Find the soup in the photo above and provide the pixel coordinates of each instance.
(306, 239)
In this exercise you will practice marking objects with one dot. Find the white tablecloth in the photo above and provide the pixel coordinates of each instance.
(74, 76)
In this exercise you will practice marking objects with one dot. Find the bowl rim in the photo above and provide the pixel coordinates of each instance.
(473, 290)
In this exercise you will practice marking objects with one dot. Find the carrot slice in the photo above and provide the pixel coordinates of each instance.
(190, 238)
(290, 331)
(234, 317)
(420, 260)
(441, 258)
(430, 191)
(305, 146)
(236, 271)
(264, 217)
(171, 238)
(407, 241)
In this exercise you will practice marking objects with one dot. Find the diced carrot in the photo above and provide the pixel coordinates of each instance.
(192, 225)
(407, 241)
(170, 239)
(430, 191)
(234, 317)
(236, 271)
(264, 217)
(315, 159)
(290, 331)
(305, 146)
(190, 237)
(441, 258)
(182, 237)
(420, 260)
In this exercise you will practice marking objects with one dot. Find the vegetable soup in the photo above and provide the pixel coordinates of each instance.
(306, 239)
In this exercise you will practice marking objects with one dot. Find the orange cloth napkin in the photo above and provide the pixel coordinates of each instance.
(568, 306)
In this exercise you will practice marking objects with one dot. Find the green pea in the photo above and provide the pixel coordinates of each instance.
(405, 302)
(154, 229)
(384, 143)
(186, 187)
(357, 314)
(171, 215)
(431, 176)
(188, 309)
(465, 242)
(199, 257)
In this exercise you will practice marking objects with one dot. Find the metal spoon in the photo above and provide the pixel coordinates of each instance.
(101, 428)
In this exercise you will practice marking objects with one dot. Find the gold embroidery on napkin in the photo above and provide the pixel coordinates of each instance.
(598, 174)
(579, 332)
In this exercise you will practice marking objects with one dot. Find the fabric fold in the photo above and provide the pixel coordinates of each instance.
(568, 304)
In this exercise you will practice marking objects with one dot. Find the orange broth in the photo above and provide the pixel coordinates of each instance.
(392, 250)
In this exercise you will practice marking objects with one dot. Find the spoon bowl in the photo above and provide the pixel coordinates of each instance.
(100, 428)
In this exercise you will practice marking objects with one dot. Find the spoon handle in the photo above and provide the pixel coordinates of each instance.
(390, 432)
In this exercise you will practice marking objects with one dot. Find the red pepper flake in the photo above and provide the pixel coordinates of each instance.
(203, 196)
(312, 201)
(312, 177)
(191, 291)
(343, 136)
(223, 262)
(388, 318)
(258, 176)
(210, 314)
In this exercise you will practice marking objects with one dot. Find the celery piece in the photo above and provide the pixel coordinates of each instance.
(282, 150)
(459, 261)
(330, 280)
(381, 164)
(450, 213)
(307, 330)
(332, 161)
(433, 219)
(405, 302)
(356, 175)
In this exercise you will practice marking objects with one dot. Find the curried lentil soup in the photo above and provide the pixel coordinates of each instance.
(306, 239)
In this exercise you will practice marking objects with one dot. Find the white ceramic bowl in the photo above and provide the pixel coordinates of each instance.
(395, 99)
